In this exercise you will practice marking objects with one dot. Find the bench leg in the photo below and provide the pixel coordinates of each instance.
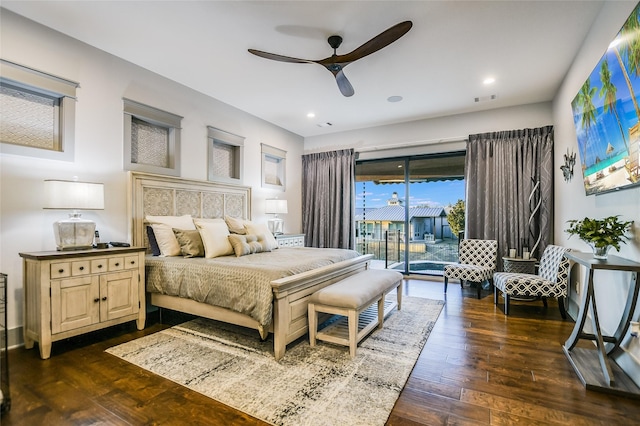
(399, 291)
(381, 312)
(353, 332)
(313, 324)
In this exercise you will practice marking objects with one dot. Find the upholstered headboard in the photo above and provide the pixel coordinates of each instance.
(171, 196)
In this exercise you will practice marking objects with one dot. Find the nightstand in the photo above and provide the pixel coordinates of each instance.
(290, 240)
(67, 293)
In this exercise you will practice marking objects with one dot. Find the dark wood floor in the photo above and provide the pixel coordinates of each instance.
(477, 368)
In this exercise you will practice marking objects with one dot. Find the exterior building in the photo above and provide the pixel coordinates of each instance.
(425, 223)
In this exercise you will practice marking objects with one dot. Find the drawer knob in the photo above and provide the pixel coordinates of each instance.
(99, 266)
(82, 268)
(60, 271)
(133, 262)
(96, 300)
(104, 298)
(118, 264)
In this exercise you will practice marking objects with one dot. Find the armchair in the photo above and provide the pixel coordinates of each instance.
(477, 263)
(552, 280)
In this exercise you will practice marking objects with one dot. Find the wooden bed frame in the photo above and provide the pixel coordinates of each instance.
(170, 196)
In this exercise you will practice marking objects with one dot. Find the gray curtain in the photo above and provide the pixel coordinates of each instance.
(328, 207)
(509, 177)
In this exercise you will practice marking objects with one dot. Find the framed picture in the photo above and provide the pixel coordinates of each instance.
(273, 167)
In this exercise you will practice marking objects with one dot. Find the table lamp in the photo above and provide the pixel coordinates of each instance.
(275, 206)
(74, 233)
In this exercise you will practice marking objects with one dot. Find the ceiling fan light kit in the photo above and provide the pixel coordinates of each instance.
(336, 63)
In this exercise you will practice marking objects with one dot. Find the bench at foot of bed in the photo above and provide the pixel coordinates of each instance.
(350, 297)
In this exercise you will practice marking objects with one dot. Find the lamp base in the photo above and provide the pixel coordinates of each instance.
(276, 226)
(74, 233)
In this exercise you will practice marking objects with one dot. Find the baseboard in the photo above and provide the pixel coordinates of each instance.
(15, 337)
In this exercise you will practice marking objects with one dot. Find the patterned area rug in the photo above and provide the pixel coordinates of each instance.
(309, 386)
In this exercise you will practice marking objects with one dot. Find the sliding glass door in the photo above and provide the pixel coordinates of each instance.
(401, 211)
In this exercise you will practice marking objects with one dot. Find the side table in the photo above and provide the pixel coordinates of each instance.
(519, 265)
(597, 368)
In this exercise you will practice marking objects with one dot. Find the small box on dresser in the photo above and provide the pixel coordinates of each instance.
(290, 240)
(68, 293)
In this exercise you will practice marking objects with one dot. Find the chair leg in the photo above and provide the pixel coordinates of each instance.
(479, 289)
(495, 295)
(506, 303)
(563, 311)
(544, 302)
(446, 281)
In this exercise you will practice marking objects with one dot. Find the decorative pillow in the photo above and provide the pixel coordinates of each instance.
(236, 225)
(190, 242)
(214, 233)
(247, 244)
(153, 244)
(163, 232)
(262, 229)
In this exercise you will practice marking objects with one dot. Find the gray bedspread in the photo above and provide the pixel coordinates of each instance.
(242, 284)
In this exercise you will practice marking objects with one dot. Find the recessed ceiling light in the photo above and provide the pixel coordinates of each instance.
(311, 114)
(394, 98)
(489, 80)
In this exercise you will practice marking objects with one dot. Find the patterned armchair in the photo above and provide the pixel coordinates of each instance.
(477, 263)
(552, 280)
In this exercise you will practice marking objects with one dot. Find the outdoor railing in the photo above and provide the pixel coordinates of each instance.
(392, 249)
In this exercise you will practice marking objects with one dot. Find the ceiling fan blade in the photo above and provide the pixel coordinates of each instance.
(383, 39)
(280, 58)
(343, 84)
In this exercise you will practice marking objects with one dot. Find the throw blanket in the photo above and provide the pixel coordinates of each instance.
(242, 284)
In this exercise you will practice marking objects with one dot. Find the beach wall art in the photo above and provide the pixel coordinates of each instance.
(606, 112)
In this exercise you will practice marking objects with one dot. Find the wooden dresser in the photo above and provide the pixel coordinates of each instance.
(67, 293)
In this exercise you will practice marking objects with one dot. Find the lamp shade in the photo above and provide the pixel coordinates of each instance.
(274, 205)
(73, 195)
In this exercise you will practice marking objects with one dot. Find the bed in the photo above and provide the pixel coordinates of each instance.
(170, 196)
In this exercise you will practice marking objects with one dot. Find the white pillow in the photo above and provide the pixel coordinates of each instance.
(163, 231)
(262, 229)
(215, 237)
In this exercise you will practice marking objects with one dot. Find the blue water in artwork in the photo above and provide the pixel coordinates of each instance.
(604, 164)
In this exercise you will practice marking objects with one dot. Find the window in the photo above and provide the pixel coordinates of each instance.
(37, 113)
(273, 167)
(152, 139)
(225, 151)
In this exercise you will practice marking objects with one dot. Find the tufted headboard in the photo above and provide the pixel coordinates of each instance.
(159, 195)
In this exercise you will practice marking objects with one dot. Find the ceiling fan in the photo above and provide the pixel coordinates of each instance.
(336, 63)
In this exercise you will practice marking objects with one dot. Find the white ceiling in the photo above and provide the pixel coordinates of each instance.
(438, 67)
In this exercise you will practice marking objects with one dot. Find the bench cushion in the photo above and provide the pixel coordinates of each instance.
(355, 291)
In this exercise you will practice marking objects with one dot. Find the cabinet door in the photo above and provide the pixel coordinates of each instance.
(74, 303)
(118, 295)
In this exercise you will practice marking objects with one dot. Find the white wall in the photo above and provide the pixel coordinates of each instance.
(434, 135)
(104, 81)
(570, 199)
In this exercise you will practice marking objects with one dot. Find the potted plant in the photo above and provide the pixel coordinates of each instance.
(600, 234)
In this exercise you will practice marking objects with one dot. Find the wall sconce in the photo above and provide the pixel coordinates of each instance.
(74, 233)
(275, 206)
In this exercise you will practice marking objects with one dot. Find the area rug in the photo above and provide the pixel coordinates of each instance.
(322, 385)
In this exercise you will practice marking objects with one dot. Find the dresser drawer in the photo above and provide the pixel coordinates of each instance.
(116, 263)
(80, 267)
(60, 270)
(131, 262)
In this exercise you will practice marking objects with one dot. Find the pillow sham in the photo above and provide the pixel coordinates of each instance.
(153, 244)
(235, 225)
(190, 242)
(163, 232)
(262, 229)
(247, 244)
(214, 233)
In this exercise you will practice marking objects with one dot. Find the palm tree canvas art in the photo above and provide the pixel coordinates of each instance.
(606, 114)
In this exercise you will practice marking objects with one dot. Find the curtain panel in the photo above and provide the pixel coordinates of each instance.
(328, 207)
(509, 178)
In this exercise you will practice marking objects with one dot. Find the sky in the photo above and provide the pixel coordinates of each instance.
(433, 194)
